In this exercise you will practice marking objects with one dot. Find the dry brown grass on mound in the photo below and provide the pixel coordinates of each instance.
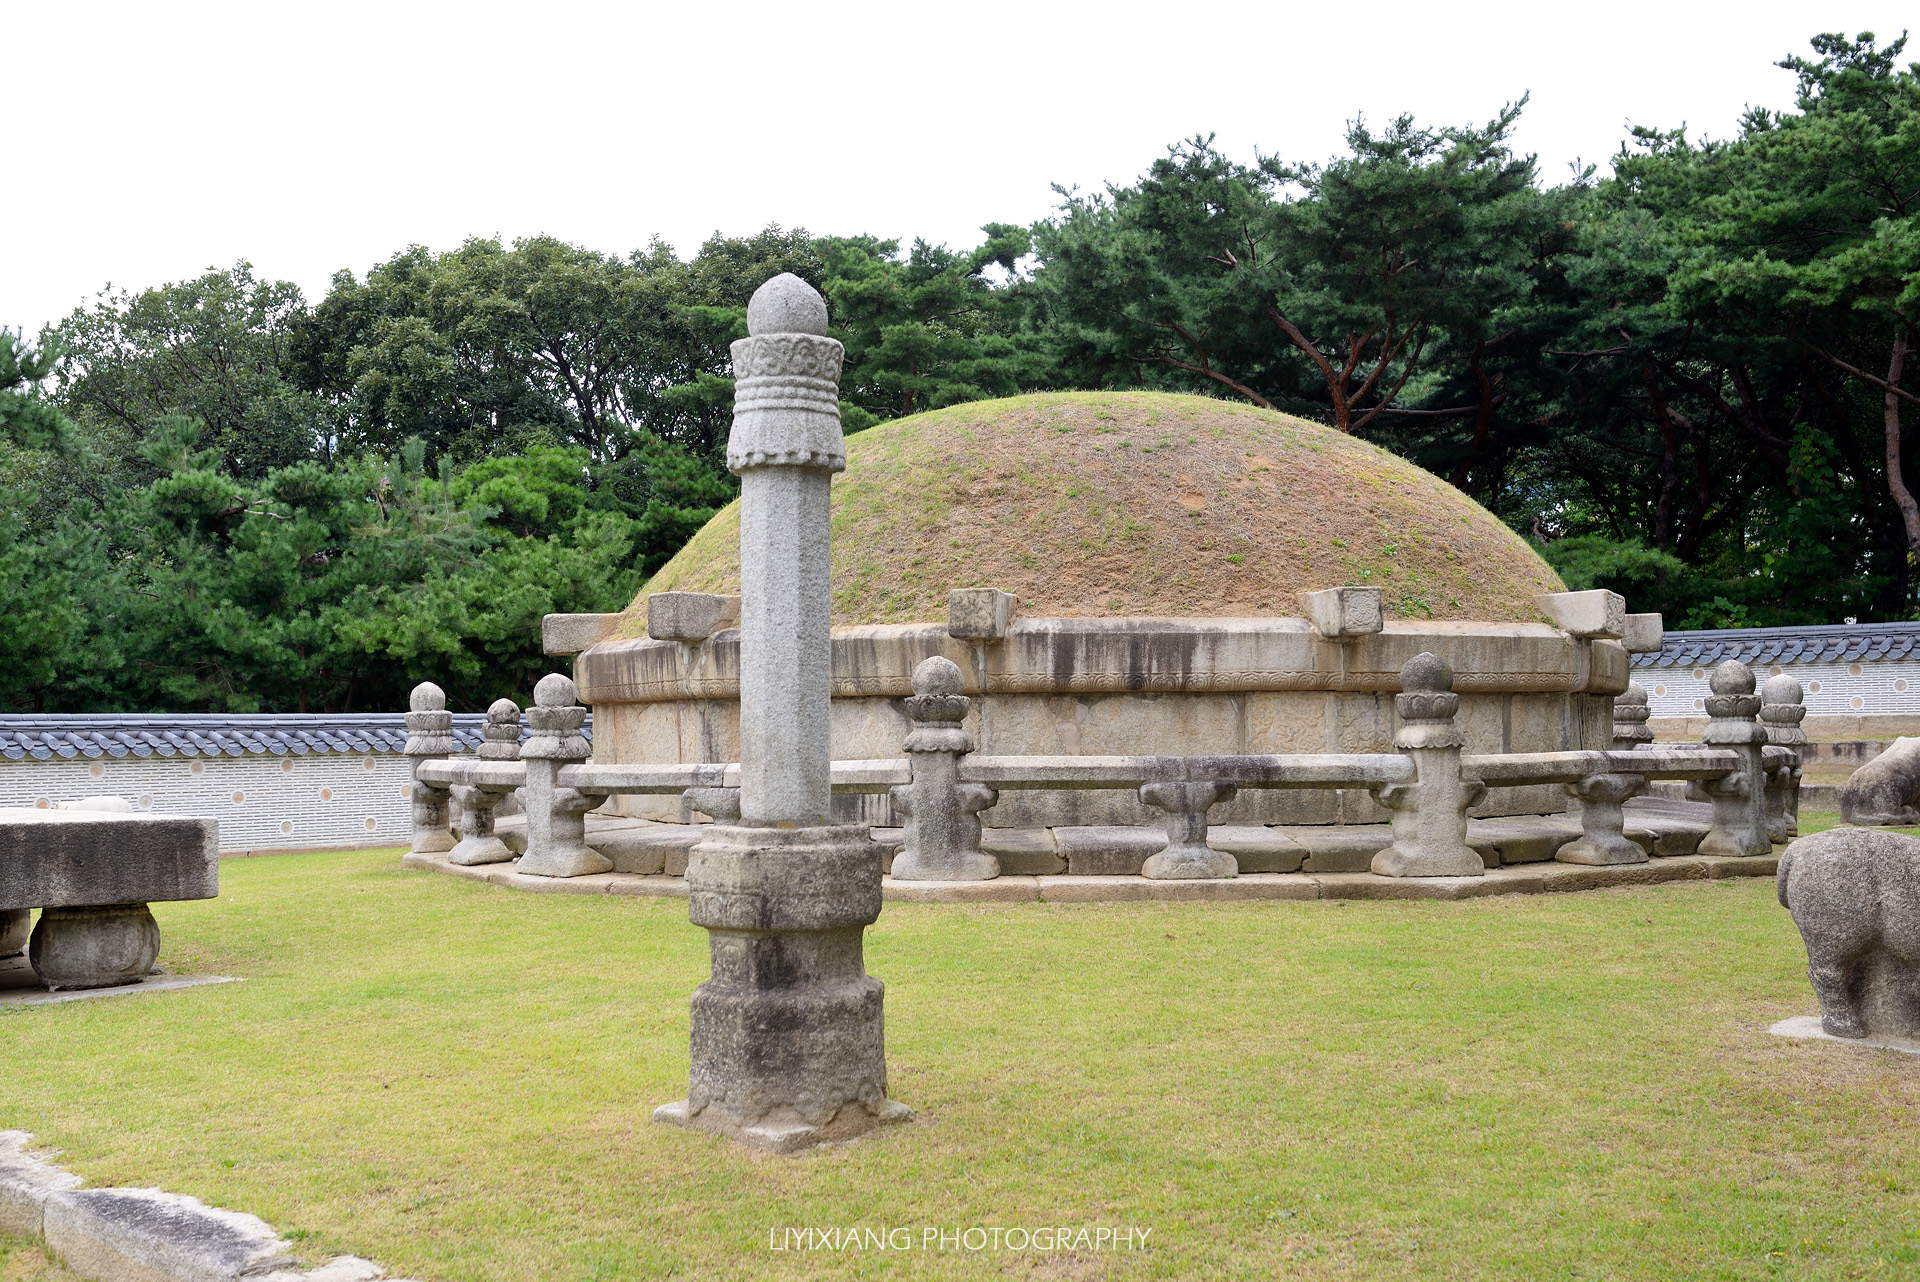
(1140, 504)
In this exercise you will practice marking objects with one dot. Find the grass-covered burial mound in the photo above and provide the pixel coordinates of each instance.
(1140, 504)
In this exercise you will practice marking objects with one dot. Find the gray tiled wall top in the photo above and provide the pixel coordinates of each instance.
(1831, 643)
(211, 735)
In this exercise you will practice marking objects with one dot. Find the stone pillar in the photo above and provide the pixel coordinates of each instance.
(429, 736)
(556, 816)
(788, 1042)
(943, 833)
(1739, 799)
(501, 742)
(1603, 838)
(1188, 857)
(1429, 814)
(1630, 713)
(1781, 712)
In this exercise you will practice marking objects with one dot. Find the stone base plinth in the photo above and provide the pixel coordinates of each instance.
(788, 1133)
(788, 1038)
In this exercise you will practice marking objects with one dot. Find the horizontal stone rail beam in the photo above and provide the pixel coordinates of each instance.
(1519, 768)
(1283, 770)
(641, 780)
(471, 772)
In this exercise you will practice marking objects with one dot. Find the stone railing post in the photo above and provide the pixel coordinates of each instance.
(500, 742)
(1630, 713)
(942, 839)
(556, 816)
(1781, 712)
(1429, 814)
(787, 1040)
(429, 736)
(1188, 856)
(1603, 838)
(1740, 798)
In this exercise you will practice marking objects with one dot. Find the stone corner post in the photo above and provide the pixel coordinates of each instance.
(1740, 798)
(1429, 814)
(788, 1044)
(556, 816)
(943, 826)
(477, 800)
(429, 736)
(1781, 712)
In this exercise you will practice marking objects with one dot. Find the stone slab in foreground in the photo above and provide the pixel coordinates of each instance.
(146, 1235)
(76, 858)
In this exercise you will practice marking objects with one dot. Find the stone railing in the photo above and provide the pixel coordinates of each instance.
(1430, 784)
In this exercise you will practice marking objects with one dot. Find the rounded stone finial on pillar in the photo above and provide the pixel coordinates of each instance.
(501, 734)
(427, 697)
(1781, 712)
(429, 736)
(786, 305)
(555, 690)
(937, 675)
(1739, 798)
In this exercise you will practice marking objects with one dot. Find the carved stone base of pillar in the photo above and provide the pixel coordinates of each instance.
(788, 1037)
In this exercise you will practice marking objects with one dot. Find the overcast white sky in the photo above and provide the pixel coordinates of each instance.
(150, 141)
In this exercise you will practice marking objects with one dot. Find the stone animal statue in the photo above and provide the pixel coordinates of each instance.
(1881, 793)
(1855, 895)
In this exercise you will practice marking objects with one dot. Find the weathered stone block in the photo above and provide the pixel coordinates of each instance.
(979, 614)
(689, 616)
(26, 1182)
(1644, 634)
(72, 858)
(571, 633)
(1596, 613)
(1347, 848)
(1519, 841)
(1257, 849)
(1109, 852)
(1023, 852)
(1345, 612)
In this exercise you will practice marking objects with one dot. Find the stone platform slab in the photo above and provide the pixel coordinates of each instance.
(1520, 879)
(1807, 1028)
(19, 986)
(79, 858)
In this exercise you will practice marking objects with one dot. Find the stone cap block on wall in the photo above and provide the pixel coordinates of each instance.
(76, 858)
(1342, 613)
(572, 633)
(979, 614)
(1094, 656)
(1594, 613)
(1645, 634)
(689, 616)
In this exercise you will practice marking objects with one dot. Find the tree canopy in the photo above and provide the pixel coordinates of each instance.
(1688, 379)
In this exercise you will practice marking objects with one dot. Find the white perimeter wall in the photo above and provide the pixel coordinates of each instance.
(1868, 687)
(326, 800)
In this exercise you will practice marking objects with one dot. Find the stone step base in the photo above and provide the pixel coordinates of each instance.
(1519, 879)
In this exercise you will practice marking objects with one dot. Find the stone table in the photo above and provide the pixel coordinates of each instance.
(92, 875)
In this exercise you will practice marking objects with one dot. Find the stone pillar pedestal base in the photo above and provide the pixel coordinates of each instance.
(789, 1133)
(787, 1038)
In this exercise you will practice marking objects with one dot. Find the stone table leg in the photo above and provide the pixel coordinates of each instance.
(95, 947)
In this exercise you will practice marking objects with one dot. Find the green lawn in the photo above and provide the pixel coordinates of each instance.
(456, 1079)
